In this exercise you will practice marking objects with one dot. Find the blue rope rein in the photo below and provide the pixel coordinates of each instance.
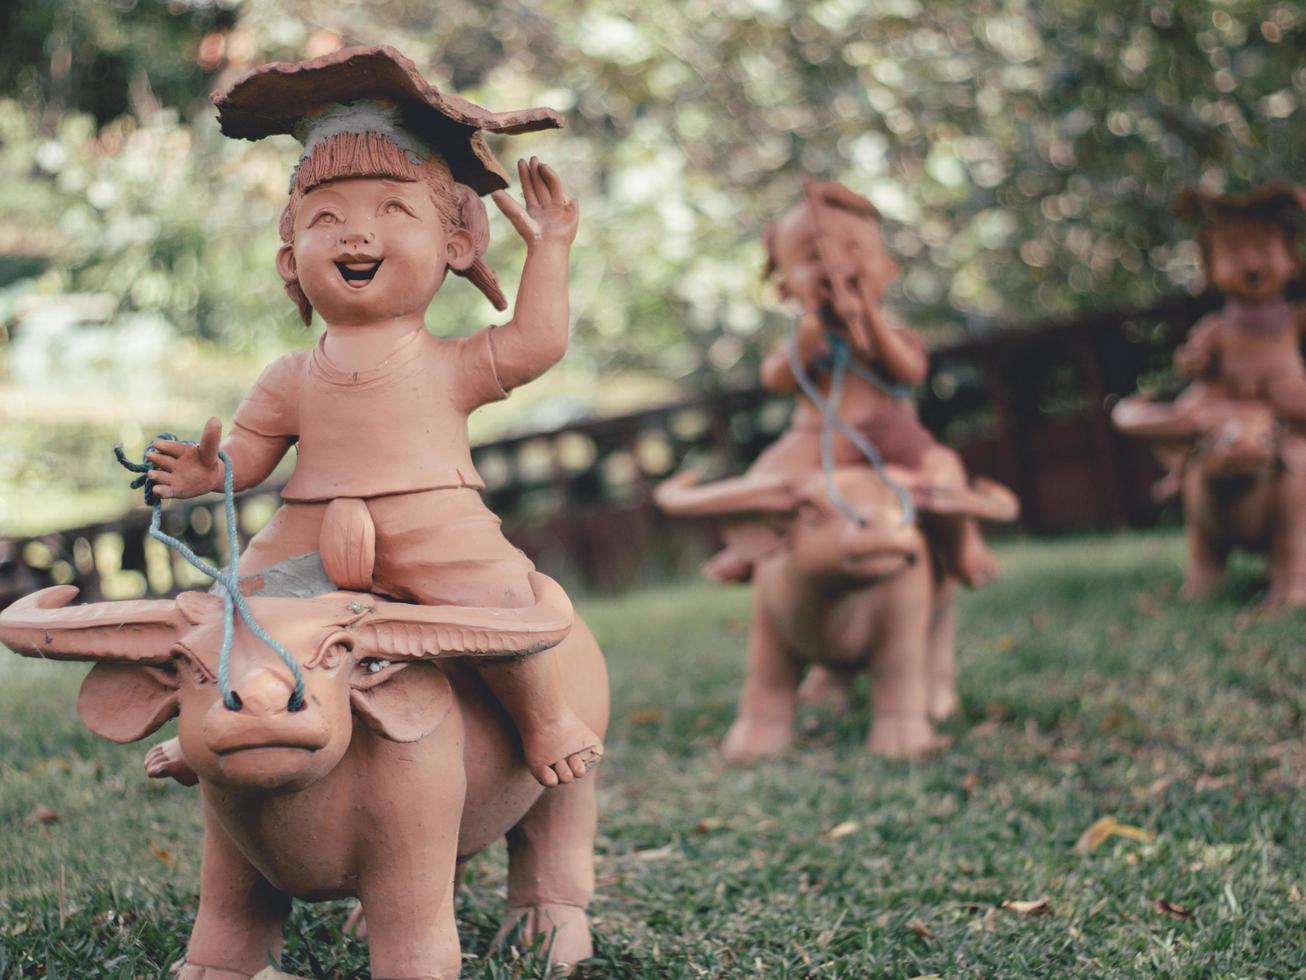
(233, 600)
(840, 363)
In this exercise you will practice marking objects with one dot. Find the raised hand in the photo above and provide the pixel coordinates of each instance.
(182, 469)
(549, 215)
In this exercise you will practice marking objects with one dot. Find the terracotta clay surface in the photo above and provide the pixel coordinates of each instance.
(449, 684)
(845, 579)
(830, 261)
(400, 766)
(274, 99)
(1232, 441)
(383, 204)
(836, 597)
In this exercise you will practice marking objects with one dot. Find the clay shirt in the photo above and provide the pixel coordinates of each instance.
(400, 427)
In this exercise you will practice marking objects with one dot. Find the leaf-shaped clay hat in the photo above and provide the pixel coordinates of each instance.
(1274, 202)
(374, 89)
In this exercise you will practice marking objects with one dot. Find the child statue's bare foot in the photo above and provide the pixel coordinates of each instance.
(165, 760)
(562, 751)
(1166, 488)
(727, 566)
(976, 564)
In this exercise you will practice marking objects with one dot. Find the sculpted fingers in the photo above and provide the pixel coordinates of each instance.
(160, 460)
(209, 440)
(516, 214)
(553, 182)
(527, 179)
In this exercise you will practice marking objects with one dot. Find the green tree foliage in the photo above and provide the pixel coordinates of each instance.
(1024, 153)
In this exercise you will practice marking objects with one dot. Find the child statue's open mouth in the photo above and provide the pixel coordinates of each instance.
(360, 272)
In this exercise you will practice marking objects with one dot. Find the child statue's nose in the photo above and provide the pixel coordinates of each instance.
(356, 237)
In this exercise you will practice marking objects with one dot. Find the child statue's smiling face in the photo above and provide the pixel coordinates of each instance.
(851, 243)
(370, 249)
(1250, 259)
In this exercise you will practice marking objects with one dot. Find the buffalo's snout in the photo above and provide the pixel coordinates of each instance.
(262, 692)
(264, 719)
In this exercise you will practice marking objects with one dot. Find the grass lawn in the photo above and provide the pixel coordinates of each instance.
(1088, 691)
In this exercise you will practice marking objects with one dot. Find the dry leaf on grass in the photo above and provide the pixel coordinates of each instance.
(646, 716)
(920, 928)
(1167, 907)
(1039, 906)
(42, 814)
(842, 830)
(708, 823)
(1100, 831)
(163, 854)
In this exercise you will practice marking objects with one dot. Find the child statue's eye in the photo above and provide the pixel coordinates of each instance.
(394, 207)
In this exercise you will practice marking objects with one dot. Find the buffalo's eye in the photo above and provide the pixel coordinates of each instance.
(373, 665)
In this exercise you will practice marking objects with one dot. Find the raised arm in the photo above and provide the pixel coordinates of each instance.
(1196, 356)
(536, 337)
(777, 374)
(897, 351)
(183, 470)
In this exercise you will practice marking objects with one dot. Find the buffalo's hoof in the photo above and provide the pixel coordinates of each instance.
(904, 738)
(565, 928)
(750, 741)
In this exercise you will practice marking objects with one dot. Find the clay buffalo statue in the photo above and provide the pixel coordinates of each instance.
(398, 769)
(1243, 485)
(837, 596)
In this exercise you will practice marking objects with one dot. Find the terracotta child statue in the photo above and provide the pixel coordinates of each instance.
(830, 259)
(1250, 349)
(383, 203)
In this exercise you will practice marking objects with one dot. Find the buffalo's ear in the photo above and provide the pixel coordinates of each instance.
(405, 702)
(126, 702)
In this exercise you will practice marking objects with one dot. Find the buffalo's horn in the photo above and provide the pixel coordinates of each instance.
(984, 499)
(403, 631)
(1143, 419)
(680, 494)
(138, 631)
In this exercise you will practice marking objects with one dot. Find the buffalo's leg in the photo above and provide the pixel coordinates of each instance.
(764, 724)
(941, 700)
(900, 725)
(1206, 562)
(551, 872)
(238, 928)
(407, 889)
(1288, 549)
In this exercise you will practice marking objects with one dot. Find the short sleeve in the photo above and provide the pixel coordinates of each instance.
(272, 406)
(476, 378)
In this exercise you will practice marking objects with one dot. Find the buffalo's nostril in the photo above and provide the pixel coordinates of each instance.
(296, 703)
(232, 701)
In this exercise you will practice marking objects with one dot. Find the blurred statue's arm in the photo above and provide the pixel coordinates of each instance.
(777, 373)
(899, 351)
(1196, 356)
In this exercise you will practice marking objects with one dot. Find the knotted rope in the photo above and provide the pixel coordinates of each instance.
(233, 600)
(840, 363)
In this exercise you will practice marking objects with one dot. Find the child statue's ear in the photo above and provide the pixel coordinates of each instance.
(476, 223)
(286, 264)
(289, 273)
(460, 250)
